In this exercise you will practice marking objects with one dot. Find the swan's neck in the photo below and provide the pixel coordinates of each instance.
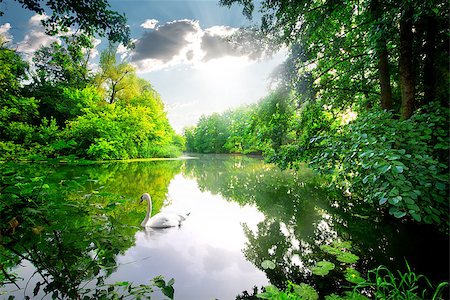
(149, 213)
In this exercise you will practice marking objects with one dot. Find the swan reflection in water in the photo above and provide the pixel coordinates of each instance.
(160, 220)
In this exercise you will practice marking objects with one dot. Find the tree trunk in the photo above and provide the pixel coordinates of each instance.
(113, 94)
(382, 56)
(384, 75)
(407, 84)
(429, 67)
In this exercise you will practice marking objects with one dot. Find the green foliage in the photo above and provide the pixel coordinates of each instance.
(268, 264)
(254, 129)
(209, 136)
(341, 250)
(353, 276)
(61, 64)
(90, 18)
(166, 288)
(66, 116)
(122, 289)
(292, 292)
(73, 239)
(122, 132)
(381, 283)
(322, 268)
(241, 138)
(395, 164)
(114, 78)
(12, 71)
(384, 284)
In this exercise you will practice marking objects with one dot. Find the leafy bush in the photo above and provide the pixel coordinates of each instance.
(122, 132)
(393, 164)
(400, 166)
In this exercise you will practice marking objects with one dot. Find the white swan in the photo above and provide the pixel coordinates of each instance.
(160, 220)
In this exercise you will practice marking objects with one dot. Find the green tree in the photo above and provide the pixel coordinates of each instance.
(209, 136)
(88, 17)
(61, 64)
(353, 51)
(113, 77)
(17, 113)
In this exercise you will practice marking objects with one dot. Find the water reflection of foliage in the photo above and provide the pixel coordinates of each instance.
(293, 203)
(72, 240)
(300, 215)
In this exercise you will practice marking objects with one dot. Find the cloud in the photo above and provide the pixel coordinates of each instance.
(4, 32)
(36, 37)
(216, 43)
(149, 24)
(183, 42)
(165, 42)
(94, 52)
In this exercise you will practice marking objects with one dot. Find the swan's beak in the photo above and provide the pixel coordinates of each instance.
(140, 200)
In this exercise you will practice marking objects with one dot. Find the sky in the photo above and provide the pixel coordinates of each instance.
(181, 48)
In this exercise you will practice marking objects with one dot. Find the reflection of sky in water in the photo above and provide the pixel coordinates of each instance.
(204, 255)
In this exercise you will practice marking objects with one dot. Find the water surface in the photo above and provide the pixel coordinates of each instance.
(242, 212)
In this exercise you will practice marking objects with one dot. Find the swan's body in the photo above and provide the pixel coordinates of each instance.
(160, 220)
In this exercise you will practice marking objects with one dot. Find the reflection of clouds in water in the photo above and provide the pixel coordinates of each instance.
(217, 259)
(204, 255)
(155, 234)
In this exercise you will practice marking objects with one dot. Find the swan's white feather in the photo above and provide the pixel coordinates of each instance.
(163, 220)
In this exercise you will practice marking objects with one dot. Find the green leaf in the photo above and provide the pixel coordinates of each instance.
(408, 200)
(347, 257)
(353, 276)
(395, 200)
(322, 268)
(306, 292)
(399, 214)
(416, 217)
(393, 192)
(365, 179)
(385, 168)
(382, 201)
(268, 264)
(271, 292)
(440, 186)
(343, 244)
(397, 170)
(393, 157)
(329, 249)
(168, 291)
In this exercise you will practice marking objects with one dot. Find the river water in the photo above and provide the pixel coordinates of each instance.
(243, 212)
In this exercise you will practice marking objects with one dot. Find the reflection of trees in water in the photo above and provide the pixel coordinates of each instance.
(72, 241)
(294, 204)
(300, 216)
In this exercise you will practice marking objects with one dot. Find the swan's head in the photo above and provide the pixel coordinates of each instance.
(145, 197)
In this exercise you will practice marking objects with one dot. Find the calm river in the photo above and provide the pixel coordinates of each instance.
(242, 212)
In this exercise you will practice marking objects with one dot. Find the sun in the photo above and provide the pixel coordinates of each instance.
(227, 69)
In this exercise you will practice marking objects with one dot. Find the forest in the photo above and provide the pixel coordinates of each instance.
(344, 164)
